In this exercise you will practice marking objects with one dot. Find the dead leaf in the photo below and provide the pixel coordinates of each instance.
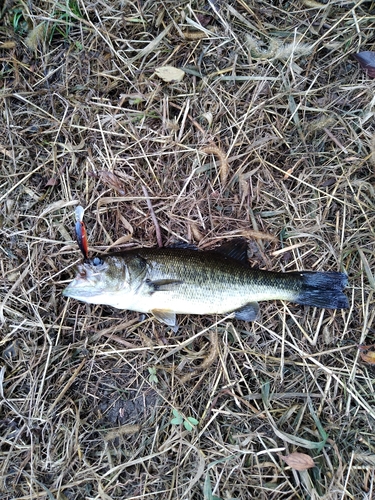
(3, 150)
(7, 45)
(315, 5)
(112, 181)
(53, 181)
(57, 205)
(366, 60)
(366, 355)
(36, 36)
(298, 461)
(197, 235)
(120, 241)
(170, 73)
(288, 173)
(224, 164)
(204, 19)
(362, 347)
(126, 224)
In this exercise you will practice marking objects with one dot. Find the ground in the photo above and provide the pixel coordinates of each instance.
(266, 134)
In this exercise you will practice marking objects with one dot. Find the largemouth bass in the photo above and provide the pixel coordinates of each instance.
(169, 281)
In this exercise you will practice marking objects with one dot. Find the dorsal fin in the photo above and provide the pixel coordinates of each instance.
(183, 244)
(236, 249)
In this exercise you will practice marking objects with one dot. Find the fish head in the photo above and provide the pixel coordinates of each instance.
(97, 278)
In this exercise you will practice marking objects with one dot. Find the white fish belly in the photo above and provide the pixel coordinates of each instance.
(197, 302)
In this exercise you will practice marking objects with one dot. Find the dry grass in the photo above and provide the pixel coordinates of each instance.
(269, 135)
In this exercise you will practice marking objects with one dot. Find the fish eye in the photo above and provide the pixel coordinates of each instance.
(97, 261)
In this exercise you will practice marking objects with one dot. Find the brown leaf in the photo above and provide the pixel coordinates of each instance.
(53, 181)
(170, 73)
(224, 164)
(204, 19)
(112, 181)
(366, 355)
(362, 347)
(7, 45)
(298, 461)
(366, 60)
(288, 173)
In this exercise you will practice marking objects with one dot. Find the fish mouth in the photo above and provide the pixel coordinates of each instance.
(80, 288)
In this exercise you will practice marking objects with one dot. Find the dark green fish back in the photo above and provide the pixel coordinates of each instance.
(205, 272)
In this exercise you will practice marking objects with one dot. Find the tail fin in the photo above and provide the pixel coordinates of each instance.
(323, 290)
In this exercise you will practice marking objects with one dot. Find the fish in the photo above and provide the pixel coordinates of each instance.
(168, 281)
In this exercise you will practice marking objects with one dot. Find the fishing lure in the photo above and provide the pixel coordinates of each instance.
(81, 233)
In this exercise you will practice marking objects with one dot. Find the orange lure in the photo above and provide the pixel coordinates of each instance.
(81, 234)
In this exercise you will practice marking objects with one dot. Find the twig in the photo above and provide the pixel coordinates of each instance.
(335, 140)
(153, 216)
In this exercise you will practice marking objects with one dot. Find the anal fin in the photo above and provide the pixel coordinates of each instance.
(248, 312)
(165, 316)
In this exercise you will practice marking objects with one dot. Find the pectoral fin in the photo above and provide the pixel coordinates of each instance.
(248, 312)
(163, 285)
(165, 316)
